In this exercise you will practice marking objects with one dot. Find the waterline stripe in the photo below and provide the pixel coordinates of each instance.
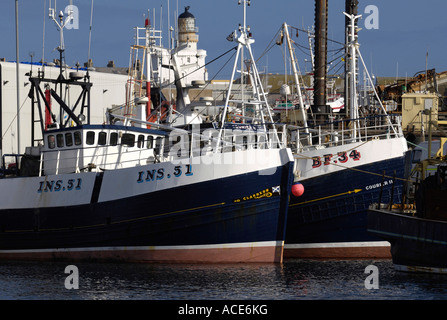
(420, 269)
(155, 248)
(337, 245)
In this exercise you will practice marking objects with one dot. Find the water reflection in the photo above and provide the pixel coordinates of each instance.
(295, 279)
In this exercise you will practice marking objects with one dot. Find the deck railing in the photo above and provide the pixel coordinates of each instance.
(299, 139)
(109, 157)
(341, 132)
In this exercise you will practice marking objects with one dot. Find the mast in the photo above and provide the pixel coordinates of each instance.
(351, 8)
(321, 17)
(43, 101)
(147, 25)
(61, 24)
(295, 73)
(353, 46)
(17, 76)
(355, 55)
(244, 41)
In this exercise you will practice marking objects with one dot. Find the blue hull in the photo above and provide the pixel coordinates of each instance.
(330, 218)
(189, 217)
(416, 244)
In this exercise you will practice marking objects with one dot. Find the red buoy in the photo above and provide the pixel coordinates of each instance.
(297, 189)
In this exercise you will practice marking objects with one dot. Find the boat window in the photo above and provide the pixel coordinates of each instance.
(113, 139)
(128, 139)
(244, 142)
(165, 144)
(150, 142)
(90, 137)
(60, 140)
(77, 138)
(158, 142)
(51, 142)
(102, 138)
(262, 142)
(140, 141)
(68, 139)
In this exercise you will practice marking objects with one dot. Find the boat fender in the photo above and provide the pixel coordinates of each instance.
(297, 189)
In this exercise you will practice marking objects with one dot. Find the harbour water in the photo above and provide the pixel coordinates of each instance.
(291, 280)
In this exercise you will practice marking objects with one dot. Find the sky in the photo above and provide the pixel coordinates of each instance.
(404, 32)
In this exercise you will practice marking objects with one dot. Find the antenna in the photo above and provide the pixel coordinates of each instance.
(90, 34)
(426, 71)
(61, 24)
(43, 35)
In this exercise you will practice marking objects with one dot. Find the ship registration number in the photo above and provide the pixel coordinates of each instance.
(59, 185)
(161, 173)
(341, 157)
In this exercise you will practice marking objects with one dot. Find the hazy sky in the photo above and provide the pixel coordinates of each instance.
(406, 30)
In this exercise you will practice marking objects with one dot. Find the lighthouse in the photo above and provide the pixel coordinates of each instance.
(187, 30)
(191, 58)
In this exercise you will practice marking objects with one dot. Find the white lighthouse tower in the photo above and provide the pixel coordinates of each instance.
(187, 30)
(191, 59)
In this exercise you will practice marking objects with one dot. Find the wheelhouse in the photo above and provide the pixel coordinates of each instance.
(100, 147)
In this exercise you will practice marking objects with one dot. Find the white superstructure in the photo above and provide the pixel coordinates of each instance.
(108, 90)
(185, 51)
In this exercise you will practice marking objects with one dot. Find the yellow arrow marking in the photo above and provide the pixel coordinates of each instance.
(328, 197)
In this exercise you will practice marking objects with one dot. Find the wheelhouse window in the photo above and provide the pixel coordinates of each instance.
(140, 142)
(90, 137)
(244, 143)
(150, 142)
(51, 142)
(68, 139)
(113, 139)
(60, 140)
(102, 138)
(77, 138)
(158, 143)
(262, 142)
(128, 139)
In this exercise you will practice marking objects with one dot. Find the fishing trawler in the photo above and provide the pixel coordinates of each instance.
(133, 190)
(416, 227)
(341, 163)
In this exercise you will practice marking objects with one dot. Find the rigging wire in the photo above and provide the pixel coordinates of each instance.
(270, 45)
(223, 54)
(304, 49)
(173, 82)
(198, 114)
(328, 39)
(217, 73)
